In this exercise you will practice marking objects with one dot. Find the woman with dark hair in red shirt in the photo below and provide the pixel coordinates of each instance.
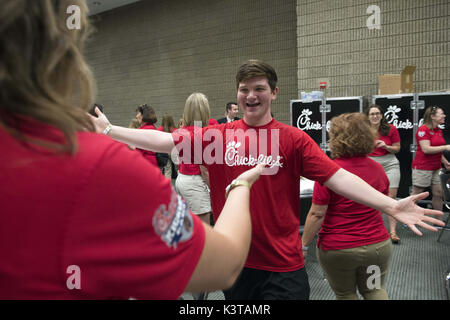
(146, 116)
(387, 144)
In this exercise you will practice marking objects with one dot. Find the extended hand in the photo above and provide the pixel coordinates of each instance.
(407, 212)
(253, 174)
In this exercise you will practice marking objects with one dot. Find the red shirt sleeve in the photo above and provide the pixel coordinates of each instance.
(423, 134)
(315, 164)
(395, 136)
(321, 194)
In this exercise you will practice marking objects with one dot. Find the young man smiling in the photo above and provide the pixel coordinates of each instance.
(275, 267)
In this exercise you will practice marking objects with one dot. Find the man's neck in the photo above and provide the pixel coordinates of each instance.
(257, 123)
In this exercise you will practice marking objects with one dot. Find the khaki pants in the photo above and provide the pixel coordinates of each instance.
(362, 267)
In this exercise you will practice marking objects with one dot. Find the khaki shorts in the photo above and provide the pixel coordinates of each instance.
(195, 192)
(425, 178)
(391, 166)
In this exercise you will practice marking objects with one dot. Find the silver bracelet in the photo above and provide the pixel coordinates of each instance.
(304, 248)
(107, 129)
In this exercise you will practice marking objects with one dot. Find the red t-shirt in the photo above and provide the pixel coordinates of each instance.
(149, 155)
(274, 199)
(188, 167)
(424, 161)
(212, 122)
(390, 139)
(104, 210)
(348, 224)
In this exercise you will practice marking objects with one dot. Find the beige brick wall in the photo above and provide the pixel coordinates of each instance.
(160, 51)
(335, 43)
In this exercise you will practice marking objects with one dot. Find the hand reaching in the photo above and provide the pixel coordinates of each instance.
(253, 174)
(407, 212)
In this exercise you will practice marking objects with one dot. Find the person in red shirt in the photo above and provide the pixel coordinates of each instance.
(169, 170)
(275, 266)
(429, 155)
(190, 183)
(352, 236)
(146, 116)
(212, 122)
(387, 144)
(82, 216)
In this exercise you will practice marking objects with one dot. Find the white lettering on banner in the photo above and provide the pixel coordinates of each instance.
(304, 121)
(392, 117)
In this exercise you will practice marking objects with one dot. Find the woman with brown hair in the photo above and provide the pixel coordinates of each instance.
(169, 170)
(429, 156)
(146, 116)
(352, 237)
(81, 216)
(387, 144)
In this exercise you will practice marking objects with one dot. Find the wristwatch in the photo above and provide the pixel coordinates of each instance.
(234, 184)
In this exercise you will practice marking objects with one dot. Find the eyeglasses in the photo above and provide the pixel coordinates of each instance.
(375, 114)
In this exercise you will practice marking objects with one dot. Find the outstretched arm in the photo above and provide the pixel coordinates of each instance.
(152, 140)
(227, 244)
(405, 211)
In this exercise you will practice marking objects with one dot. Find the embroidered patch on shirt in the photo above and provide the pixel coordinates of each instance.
(173, 224)
(421, 133)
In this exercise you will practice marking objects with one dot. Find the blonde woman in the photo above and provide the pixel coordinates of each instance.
(190, 183)
(83, 217)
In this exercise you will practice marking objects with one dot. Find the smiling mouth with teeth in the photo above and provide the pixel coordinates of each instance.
(252, 104)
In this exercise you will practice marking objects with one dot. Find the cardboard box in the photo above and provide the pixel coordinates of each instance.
(397, 83)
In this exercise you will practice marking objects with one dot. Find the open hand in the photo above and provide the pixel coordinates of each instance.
(407, 212)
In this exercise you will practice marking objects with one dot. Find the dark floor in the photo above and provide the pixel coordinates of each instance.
(417, 269)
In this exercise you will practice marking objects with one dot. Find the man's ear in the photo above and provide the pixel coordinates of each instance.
(274, 93)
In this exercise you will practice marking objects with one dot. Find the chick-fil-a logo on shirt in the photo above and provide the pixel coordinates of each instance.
(232, 158)
(247, 147)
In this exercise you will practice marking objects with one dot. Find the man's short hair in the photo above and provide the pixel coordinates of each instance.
(229, 104)
(257, 68)
(148, 113)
